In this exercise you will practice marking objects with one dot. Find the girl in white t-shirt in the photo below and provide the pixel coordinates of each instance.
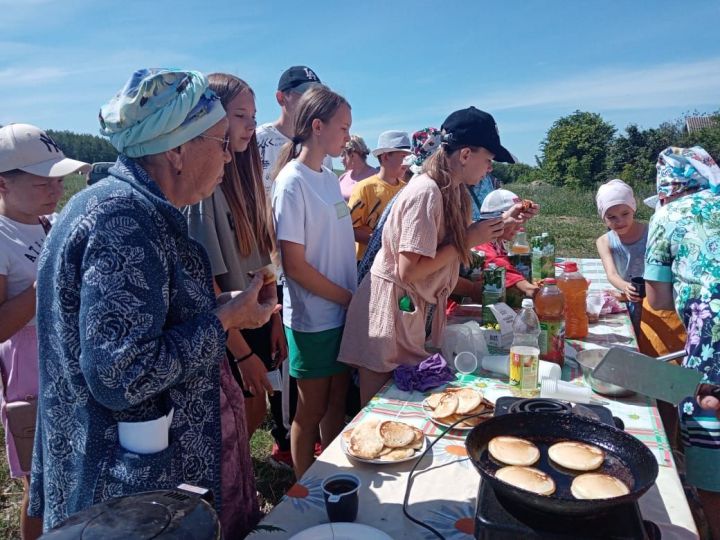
(316, 241)
(32, 168)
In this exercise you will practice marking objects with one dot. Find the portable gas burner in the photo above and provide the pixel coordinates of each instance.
(496, 518)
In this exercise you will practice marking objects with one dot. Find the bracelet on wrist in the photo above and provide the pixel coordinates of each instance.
(243, 358)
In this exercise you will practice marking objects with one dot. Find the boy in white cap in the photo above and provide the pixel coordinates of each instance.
(32, 169)
(370, 196)
(502, 200)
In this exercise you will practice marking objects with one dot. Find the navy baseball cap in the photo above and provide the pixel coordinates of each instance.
(298, 79)
(473, 127)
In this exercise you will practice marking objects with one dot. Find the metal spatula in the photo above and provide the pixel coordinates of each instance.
(652, 377)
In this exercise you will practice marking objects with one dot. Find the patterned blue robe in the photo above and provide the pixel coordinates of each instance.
(126, 332)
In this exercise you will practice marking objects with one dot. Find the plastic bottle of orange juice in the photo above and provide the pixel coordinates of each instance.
(574, 287)
(550, 309)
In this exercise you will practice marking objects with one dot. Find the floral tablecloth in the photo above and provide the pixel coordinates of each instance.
(444, 490)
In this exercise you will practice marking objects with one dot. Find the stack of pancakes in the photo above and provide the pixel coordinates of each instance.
(385, 440)
(453, 404)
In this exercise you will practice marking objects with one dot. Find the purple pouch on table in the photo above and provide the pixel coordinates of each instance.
(430, 373)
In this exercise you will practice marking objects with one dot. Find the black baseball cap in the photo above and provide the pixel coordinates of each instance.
(473, 127)
(297, 79)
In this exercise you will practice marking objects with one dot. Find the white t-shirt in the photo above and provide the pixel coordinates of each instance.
(20, 246)
(310, 210)
(270, 141)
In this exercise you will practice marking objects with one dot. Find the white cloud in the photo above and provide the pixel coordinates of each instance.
(28, 76)
(667, 85)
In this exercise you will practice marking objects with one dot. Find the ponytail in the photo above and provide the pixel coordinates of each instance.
(319, 102)
(288, 152)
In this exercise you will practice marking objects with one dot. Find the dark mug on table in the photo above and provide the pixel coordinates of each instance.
(340, 492)
(638, 283)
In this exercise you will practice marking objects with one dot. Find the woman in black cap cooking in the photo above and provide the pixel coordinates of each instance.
(426, 237)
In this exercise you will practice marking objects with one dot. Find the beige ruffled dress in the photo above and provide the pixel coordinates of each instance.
(378, 335)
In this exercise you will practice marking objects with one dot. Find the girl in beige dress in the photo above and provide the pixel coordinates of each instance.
(427, 235)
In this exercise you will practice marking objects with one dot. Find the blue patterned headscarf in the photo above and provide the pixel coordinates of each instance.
(683, 169)
(159, 109)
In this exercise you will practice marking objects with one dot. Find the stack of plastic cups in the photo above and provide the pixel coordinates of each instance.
(556, 389)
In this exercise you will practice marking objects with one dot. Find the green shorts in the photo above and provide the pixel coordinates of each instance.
(313, 355)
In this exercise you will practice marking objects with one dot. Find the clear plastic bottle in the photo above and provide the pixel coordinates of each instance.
(550, 309)
(524, 358)
(574, 287)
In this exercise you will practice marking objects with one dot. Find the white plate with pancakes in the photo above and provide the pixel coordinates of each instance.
(447, 406)
(383, 442)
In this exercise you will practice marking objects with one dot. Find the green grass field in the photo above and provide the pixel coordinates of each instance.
(569, 215)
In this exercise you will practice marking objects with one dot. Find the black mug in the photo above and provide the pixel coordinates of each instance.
(340, 492)
(639, 284)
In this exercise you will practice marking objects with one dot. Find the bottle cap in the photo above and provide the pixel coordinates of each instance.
(549, 281)
(569, 266)
(527, 303)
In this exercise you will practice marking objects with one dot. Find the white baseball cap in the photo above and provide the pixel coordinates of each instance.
(499, 200)
(30, 149)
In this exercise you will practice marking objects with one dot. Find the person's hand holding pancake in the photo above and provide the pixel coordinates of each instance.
(250, 308)
(521, 212)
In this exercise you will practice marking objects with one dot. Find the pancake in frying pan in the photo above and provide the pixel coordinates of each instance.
(527, 478)
(576, 455)
(597, 486)
(513, 451)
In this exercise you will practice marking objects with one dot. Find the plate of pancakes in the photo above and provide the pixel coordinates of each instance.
(379, 441)
(447, 406)
(579, 461)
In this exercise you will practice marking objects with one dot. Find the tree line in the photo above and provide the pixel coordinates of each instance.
(583, 150)
(579, 150)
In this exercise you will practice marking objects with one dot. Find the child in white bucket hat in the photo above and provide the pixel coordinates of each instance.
(370, 196)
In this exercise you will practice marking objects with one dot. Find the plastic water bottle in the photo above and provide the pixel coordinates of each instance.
(525, 353)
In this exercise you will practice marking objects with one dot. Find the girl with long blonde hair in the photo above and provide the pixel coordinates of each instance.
(234, 226)
(427, 235)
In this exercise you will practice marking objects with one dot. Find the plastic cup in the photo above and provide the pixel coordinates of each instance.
(549, 370)
(594, 304)
(496, 363)
(465, 363)
(555, 389)
(340, 492)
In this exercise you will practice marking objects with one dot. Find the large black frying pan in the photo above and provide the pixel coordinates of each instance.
(626, 458)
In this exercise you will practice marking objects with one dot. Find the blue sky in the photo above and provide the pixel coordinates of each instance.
(402, 65)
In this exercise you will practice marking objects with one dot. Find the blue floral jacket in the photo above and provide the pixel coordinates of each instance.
(126, 332)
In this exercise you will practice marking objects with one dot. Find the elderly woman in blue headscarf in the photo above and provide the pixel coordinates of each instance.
(135, 390)
(682, 271)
